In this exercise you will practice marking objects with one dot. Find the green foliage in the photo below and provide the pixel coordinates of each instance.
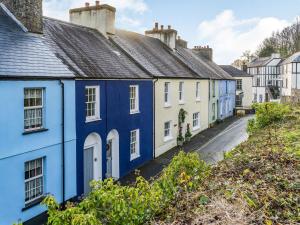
(188, 133)
(267, 114)
(114, 204)
(185, 171)
(181, 116)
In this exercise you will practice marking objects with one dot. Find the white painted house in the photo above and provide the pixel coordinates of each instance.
(266, 80)
(290, 74)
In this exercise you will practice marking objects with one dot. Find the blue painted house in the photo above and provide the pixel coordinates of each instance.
(227, 90)
(114, 102)
(37, 120)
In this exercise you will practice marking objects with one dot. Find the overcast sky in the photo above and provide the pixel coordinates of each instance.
(229, 26)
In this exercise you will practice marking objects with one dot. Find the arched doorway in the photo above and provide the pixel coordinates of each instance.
(112, 155)
(92, 160)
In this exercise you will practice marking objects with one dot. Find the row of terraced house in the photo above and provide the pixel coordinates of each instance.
(82, 101)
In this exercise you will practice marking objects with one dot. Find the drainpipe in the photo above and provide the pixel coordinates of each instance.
(154, 117)
(63, 138)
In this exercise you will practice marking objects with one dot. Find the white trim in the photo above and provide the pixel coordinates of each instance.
(181, 92)
(8, 13)
(136, 100)
(137, 145)
(96, 117)
(167, 103)
(170, 136)
(198, 96)
(94, 141)
(114, 136)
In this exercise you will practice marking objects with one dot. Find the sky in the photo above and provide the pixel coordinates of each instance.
(230, 27)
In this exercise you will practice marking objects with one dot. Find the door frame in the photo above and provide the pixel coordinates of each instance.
(114, 136)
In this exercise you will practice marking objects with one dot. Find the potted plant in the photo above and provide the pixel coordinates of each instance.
(180, 139)
(181, 116)
(188, 134)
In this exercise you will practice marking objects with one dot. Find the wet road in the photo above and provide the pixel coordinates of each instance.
(213, 151)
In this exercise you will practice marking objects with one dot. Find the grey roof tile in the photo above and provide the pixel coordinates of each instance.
(234, 71)
(25, 54)
(88, 53)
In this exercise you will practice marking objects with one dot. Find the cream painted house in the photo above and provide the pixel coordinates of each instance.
(172, 95)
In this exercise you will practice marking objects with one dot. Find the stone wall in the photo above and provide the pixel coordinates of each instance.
(29, 12)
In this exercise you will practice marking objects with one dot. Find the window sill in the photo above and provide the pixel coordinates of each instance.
(181, 103)
(198, 100)
(92, 120)
(135, 112)
(135, 156)
(35, 131)
(34, 203)
(167, 139)
(196, 128)
(167, 105)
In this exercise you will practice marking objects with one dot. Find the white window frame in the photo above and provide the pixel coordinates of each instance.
(198, 97)
(135, 143)
(134, 99)
(196, 119)
(181, 92)
(167, 97)
(97, 104)
(41, 107)
(34, 178)
(169, 137)
(239, 83)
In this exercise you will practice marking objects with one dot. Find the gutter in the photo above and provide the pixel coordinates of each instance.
(63, 138)
(154, 117)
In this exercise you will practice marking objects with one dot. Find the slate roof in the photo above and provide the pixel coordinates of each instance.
(262, 61)
(202, 66)
(151, 53)
(88, 53)
(292, 59)
(234, 72)
(24, 54)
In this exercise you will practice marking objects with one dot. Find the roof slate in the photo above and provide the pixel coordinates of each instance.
(234, 71)
(152, 54)
(88, 53)
(295, 58)
(202, 66)
(24, 54)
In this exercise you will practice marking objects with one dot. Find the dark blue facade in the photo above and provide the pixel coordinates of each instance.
(115, 115)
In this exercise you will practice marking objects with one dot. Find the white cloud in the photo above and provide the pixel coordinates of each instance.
(230, 36)
(60, 8)
(126, 21)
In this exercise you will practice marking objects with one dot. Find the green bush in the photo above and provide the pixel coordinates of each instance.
(267, 114)
(111, 203)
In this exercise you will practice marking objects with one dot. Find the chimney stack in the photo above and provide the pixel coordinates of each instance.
(168, 36)
(205, 52)
(99, 17)
(28, 12)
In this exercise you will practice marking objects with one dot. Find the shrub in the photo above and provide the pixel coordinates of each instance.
(111, 203)
(185, 171)
(267, 114)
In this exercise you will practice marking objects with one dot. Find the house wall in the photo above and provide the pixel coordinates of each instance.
(286, 75)
(247, 90)
(257, 91)
(115, 115)
(17, 148)
(227, 91)
(164, 114)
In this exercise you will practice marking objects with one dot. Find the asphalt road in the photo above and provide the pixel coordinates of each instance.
(213, 151)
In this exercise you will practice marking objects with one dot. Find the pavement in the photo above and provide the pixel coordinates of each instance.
(210, 144)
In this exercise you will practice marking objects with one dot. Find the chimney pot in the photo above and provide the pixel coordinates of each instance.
(156, 26)
(97, 3)
(162, 27)
(169, 27)
(87, 4)
(179, 37)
